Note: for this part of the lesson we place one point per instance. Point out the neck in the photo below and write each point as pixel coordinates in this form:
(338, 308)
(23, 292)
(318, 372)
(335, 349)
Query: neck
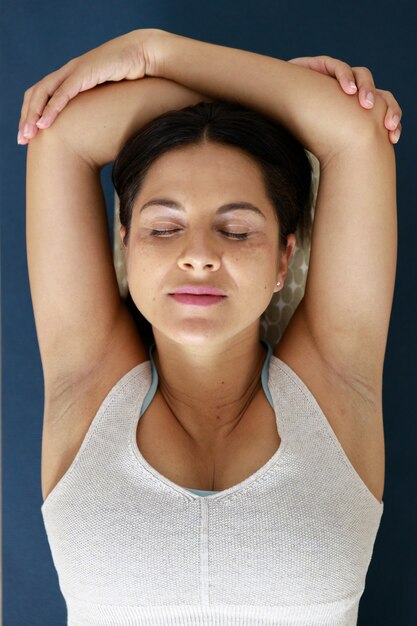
(216, 386)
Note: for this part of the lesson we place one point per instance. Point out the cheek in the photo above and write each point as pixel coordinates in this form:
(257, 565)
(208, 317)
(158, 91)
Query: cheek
(256, 268)
(142, 272)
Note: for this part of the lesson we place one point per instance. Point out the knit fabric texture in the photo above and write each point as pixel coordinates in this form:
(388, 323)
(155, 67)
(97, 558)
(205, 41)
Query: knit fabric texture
(288, 546)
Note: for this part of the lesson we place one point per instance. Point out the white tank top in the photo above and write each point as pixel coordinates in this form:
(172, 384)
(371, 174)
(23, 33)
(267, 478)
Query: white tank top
(289, 545)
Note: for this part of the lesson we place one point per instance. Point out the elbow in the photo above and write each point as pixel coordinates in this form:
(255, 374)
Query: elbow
(365, 129)
(371, 123)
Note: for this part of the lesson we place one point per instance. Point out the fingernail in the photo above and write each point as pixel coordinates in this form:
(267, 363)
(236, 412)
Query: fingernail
(26, 130)
(395, 120)
(397, 135)
(42, 121)
(19, 137)
(370, 98)
(352, 85)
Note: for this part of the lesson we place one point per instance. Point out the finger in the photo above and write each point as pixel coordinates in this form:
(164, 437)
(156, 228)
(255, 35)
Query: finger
(366, 86)
(394, 112)
(65, 92)
(35, 99)
(332, 67)
(394, 135)
(343, 74)
(318, 63)
(33, 110)
(25, 105)
(23, 113)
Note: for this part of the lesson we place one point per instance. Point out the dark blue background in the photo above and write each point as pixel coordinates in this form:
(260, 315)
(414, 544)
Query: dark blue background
(37, 38)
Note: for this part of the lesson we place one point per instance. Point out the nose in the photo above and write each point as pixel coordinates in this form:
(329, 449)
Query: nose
(200, 251)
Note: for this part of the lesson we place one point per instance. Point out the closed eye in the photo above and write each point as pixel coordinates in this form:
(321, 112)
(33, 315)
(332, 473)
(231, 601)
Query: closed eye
(235, 235)
(158, 233)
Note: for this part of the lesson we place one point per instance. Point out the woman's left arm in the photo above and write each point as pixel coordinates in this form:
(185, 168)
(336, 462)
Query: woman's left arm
(309, 103)
(350, 283)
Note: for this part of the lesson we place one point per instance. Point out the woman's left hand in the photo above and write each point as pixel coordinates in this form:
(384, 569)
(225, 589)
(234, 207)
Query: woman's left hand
(353, 78)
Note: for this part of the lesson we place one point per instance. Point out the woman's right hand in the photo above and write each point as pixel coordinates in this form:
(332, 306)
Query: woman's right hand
(127, 57)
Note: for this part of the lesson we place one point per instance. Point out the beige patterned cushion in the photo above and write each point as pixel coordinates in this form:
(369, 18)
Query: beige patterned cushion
(283, 303)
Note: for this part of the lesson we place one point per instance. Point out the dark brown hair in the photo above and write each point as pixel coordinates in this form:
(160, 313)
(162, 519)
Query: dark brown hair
(284, 164)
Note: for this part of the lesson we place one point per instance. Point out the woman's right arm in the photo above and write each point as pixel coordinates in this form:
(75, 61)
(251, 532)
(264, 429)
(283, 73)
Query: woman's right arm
(78, 312)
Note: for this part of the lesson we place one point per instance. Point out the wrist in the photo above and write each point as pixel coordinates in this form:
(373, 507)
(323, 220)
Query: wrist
(156, 47)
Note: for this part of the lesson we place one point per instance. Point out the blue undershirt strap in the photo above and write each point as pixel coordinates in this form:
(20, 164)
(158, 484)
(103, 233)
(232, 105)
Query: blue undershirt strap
(154, 384)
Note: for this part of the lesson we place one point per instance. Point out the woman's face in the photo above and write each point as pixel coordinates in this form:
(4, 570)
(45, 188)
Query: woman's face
(200, 250)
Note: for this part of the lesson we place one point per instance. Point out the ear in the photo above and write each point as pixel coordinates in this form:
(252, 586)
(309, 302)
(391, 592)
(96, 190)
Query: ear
(285, 261)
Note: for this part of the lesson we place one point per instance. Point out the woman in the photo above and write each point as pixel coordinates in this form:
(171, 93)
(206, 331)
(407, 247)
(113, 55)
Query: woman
(211, 480)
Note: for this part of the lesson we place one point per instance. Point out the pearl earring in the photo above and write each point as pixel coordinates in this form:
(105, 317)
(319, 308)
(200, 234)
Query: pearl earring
(278, 283)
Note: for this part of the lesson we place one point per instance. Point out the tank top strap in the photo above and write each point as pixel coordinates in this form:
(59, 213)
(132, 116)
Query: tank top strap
(265, 373)
(154, 384)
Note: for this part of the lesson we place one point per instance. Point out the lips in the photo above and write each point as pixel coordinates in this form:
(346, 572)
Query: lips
(199, 300)
(198, 290)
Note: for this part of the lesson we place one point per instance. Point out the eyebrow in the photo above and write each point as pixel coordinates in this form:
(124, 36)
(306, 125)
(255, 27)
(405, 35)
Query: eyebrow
(225, 208)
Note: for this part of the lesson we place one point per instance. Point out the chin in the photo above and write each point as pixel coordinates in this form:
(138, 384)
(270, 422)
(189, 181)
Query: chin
(194, 333)
(204, 333)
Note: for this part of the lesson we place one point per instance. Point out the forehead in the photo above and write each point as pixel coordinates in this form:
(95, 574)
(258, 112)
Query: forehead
(202, 168)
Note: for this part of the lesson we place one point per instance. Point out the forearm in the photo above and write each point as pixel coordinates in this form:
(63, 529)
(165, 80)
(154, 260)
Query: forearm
(97, 123)
(311, 105)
